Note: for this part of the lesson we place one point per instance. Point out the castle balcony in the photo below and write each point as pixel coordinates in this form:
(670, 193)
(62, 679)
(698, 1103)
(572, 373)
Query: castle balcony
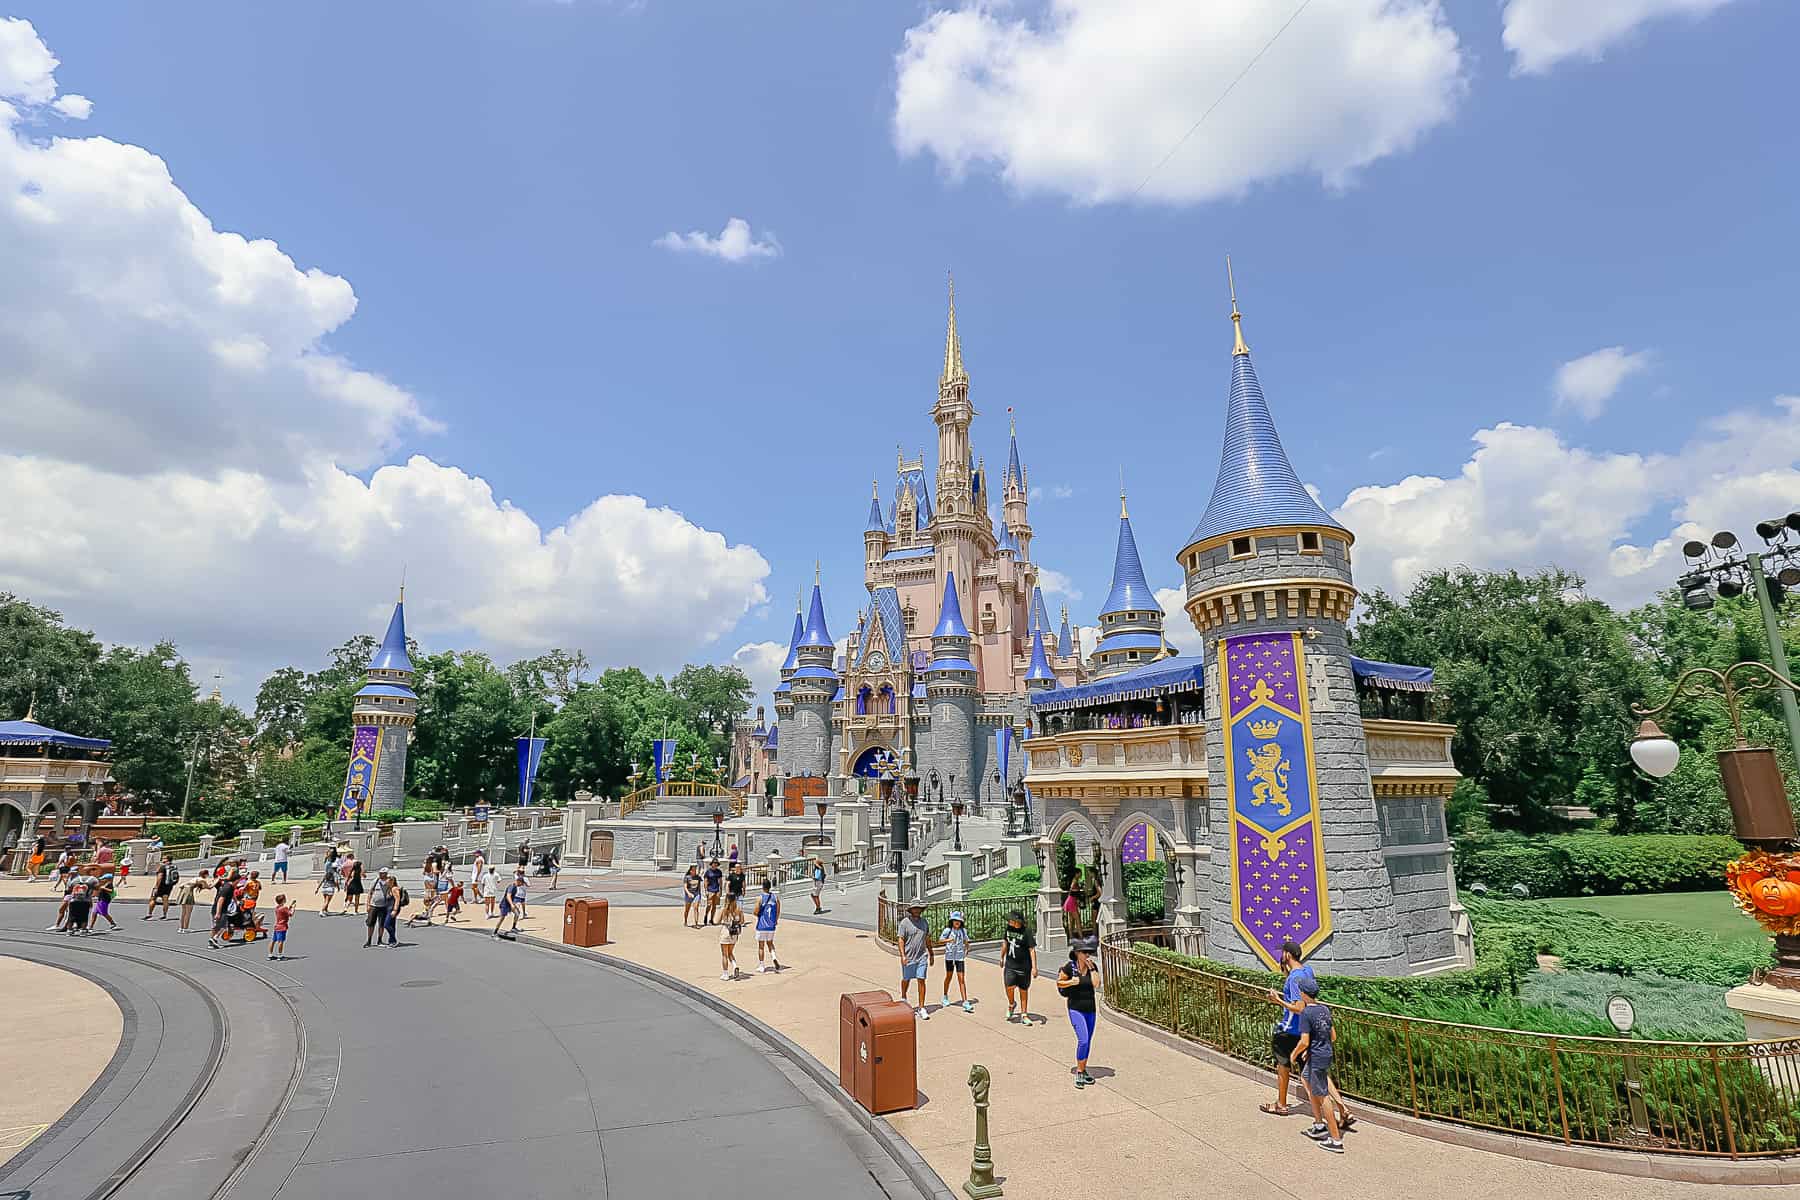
(873, 721)
(1167, 761)
(36, 770)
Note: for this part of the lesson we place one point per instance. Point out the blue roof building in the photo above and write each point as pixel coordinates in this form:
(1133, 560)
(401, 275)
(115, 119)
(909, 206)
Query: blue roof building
(1131, 621)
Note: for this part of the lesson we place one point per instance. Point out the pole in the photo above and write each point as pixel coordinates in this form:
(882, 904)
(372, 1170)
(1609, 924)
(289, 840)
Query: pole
(1777, 651)
(187, 792)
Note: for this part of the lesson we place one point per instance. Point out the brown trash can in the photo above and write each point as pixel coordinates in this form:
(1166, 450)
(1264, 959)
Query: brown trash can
(848, 1004)
(887, 1063)
(584, 922)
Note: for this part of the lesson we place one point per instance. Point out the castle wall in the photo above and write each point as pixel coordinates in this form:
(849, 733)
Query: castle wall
(806, 746)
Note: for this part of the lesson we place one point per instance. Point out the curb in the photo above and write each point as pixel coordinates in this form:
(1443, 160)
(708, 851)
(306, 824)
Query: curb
(897, 1147)
(1674, 1167)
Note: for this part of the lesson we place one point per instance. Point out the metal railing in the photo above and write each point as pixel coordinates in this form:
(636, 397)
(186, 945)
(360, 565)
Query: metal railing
(681, 789)
(985, 918)
(1721, 1099)
(937, 879)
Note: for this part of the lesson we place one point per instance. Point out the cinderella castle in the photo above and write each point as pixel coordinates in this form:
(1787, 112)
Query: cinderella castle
(934, 681)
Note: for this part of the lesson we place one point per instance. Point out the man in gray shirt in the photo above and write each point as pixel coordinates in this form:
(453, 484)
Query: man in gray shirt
(916, 954)
(381, 909)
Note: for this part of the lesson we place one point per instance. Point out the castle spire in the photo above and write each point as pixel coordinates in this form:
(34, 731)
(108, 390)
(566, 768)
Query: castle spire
(1039, 671)
(950, 620)
(953, 362)
(815, 633)
(1014, 471)
(877, 523)
(391, 654)
(1130, 590)
(1238, 349)
(1065, 642)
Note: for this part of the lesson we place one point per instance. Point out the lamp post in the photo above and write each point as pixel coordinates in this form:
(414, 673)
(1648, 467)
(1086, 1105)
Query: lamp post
(820, 805)
(934, 784)
(956, 809)
(356, 798)
(718, 831)
(997, 785)
(1722, 567)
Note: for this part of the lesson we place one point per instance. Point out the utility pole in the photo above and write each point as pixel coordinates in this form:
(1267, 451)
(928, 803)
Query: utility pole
(187, 793)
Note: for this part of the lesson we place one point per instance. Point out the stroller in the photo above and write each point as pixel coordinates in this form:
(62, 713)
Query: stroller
(548, 861)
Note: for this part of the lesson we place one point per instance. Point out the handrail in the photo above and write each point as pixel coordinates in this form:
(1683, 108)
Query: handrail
(682, 789)
(1717, 1099)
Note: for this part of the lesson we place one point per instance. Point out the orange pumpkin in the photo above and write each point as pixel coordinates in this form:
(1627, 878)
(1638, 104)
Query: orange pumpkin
(1776, 896)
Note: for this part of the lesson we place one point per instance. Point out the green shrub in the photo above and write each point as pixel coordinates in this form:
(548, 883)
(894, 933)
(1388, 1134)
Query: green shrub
(1021, 882)
(310, 827)
(1589, 941)
(1673, 1009)
(1595, 864)
(178, 833)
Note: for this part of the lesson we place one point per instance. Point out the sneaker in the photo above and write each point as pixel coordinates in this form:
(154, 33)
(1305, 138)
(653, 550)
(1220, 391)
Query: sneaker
(918, 1012)
(1084, 1077)
(946, 1001)
(1332, 1145)
(1317, 1133)
(1080, 1082)
(777, 966)
(725, 977)
(924, 1015)
(968, 1006)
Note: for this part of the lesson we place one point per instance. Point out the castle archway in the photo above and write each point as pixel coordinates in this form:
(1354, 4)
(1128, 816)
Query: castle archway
(865, 765)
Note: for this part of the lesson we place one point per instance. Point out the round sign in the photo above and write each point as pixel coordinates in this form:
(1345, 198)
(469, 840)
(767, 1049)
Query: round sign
(1621, 1014)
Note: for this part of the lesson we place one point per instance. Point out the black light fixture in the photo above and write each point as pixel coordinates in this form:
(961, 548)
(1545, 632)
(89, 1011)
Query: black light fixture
(1696, 594)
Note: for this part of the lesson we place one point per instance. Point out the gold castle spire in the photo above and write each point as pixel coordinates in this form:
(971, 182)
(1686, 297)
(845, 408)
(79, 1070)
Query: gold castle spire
(953, 362)
(1122, 513)
(1237, 318)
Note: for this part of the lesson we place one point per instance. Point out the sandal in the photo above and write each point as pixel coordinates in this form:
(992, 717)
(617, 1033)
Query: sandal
(1275, 1110)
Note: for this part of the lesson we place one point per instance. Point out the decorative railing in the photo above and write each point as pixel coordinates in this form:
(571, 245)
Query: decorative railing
(985, 918)
(1721, 1099)
(937, 879)
(979, 866)
(997, 861)
(680, 789)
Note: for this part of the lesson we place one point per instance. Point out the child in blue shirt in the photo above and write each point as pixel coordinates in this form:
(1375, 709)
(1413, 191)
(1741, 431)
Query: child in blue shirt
(955, 941)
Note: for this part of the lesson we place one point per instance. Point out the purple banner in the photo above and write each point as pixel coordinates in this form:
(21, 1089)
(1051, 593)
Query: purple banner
(359, 780)
(1278, 891)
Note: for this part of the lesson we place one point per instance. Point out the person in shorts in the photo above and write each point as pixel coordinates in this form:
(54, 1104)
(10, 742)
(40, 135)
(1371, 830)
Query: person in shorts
(1286, 1034)
(1314, 1051)
(103, 898)
(1018, 966)
(731, 923)
(955, 941)
(278, 937)
(714, 878)
(280, 870)
(768, 911)
(690, 896)
(916, 954)
(818, 884)
(80, 907)
(453, 901)
(189, 893)
(162, 887)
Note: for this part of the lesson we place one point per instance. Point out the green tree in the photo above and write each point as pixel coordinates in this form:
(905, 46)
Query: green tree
(281, 705)
(463, 745)
(43, 660)
(1538, 679)
(715, 697)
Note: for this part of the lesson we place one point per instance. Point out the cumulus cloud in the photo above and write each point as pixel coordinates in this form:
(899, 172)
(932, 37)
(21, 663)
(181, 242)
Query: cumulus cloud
(1542, 33)
(1526, 499)
(761, 661)
(180, 457)
(76, 108)
(734, 243)
(1055, 583)
(1084, 98)
(1585, 384)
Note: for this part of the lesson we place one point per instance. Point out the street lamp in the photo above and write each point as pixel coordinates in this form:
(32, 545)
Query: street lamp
(934, 785)
(956, 809)
(356, 799)
(820, 805)
(718, 831)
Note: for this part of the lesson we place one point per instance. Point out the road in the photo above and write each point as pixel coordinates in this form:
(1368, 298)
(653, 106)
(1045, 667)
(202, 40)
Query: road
(454, 1066)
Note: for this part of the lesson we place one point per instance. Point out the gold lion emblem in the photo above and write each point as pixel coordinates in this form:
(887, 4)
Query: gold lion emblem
(1269, 778)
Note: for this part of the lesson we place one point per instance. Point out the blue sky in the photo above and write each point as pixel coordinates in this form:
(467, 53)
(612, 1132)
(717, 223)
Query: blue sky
(492, 180)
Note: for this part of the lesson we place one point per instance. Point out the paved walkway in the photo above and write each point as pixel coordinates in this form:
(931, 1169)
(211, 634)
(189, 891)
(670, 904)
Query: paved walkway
(62, 1031)
(455, 1065)
(1159, 1123)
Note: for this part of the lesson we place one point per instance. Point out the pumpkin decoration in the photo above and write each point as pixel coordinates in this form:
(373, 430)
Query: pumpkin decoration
(1767, 887)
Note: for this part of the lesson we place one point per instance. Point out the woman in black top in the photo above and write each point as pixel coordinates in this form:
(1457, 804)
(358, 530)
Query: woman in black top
(1076, 982)
(690, 896)
(353, 886)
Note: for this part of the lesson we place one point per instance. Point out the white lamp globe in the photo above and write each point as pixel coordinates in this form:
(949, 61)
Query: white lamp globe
(1655, 753)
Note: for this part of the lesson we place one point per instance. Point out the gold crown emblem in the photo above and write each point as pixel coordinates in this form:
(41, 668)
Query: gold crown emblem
(1265, 729)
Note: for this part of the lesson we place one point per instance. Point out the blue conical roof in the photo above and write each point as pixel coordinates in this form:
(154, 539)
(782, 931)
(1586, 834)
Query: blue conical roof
(1256, 487)
(877, 523)
(1013, 469)
(391, 655)
(1040, 667)
(950, 622)
(815, 633)
(1130, 590)
(1006, 540)
(1040, 618)
(793, 655)
(1065, 643)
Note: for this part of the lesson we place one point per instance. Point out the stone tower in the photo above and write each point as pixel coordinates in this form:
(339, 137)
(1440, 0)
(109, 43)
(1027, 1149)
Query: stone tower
(950, 695)
(806, 742)
(381, 726)
(1296, 845)
(1131, 621)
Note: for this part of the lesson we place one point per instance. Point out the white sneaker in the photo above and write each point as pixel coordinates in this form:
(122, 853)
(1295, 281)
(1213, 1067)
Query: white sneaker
(726, 976)
(946, 1003)
(762, 968)
(923, 1015)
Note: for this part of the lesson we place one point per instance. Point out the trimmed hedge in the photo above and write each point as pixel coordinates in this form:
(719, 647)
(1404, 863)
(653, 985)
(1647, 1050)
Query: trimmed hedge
(1021, 882)
(1596, 864)
(178, 833)
(1589, 941)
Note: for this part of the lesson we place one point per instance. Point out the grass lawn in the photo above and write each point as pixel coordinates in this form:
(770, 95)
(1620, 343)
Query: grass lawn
(1710, 912)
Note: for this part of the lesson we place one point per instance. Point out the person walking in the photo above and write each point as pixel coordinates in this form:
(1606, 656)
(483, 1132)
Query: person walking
(280, 870)
(381, 910)
(491, 888)
(955, 941)
(35, 863)
(189, 893)
(431, 891)
(768, 911)
(1071, 916)
(162, 887)
(353, 884)
(224, 904)
(1314, 1051)
(453, 902)
(512, 904)
(278, 937)
(916, 954)
(734, 884)
(713, 879)
(103, 897)
(328, 884)
(690, 896)
(80, 907)
(731, 924)
(818, 884)
(1076, 982)
(1018, 966)
(1286, 1034)
(477, 872)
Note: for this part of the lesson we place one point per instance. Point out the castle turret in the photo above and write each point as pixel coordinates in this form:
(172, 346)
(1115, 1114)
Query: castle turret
(784, 698)
(382, 717)
(1039, 676)
(1065, 640)
(1131, 621)
(813, 687)
(1296, 842)
(875, 534)
(950, 697)
(1014, 494)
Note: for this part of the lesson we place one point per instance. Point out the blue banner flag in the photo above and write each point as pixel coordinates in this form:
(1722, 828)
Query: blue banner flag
(531, 752)
(662, 750)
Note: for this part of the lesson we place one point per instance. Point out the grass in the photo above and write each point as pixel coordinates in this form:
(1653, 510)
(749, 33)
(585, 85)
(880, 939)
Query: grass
(1666, 1008)
(1708, 912)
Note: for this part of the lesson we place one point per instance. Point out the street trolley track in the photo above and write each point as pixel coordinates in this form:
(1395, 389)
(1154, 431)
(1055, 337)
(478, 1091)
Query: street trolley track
(217, 1051)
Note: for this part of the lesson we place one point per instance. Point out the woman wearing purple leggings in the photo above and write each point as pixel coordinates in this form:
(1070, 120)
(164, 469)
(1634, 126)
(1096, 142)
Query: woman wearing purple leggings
(1076, 982)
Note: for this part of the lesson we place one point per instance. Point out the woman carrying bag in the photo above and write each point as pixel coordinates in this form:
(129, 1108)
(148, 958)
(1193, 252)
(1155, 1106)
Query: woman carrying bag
(1076, 982)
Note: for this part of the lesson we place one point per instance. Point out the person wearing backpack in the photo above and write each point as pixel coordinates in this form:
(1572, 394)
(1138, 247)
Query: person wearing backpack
(768, 911)
(166, 879)
(818, 883)
(381, 910)
(955, 942)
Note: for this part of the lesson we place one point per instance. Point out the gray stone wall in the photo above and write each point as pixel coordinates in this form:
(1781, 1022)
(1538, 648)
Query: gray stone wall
(952, 734)
(806, 739)
(390, 772)
(1275, 558)
(1422, 905)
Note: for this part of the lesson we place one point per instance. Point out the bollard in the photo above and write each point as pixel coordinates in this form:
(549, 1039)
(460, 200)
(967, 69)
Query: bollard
(981, 1183)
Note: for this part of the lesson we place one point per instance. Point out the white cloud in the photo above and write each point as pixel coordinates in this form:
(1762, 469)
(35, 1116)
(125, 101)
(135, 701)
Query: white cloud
(1055, 583)
(1085, 97)
(1173, 601)
(761, 661)
(1527, 499)
(76, 108)
(177, 451)
(27, 68)
(1585, 384)
(1062, 491)
(1542, 33)
(735, 243)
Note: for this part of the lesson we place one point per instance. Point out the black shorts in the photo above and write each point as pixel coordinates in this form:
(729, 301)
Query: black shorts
(1018, 979)
(953, 966)
(1283, 1046)
(163, 889)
